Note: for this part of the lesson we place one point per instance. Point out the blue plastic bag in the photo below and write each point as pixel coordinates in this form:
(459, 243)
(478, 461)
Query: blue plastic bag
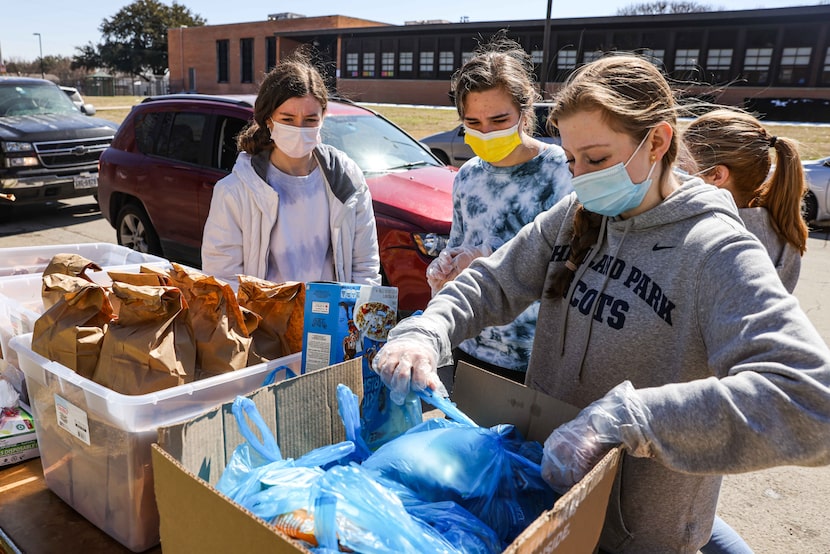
(475, 467)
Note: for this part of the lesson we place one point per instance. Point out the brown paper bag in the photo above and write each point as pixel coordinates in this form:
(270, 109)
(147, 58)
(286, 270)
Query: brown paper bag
(66, 264)
(138, 279)
(71, 331)
(150, 346)
(219, 327)
(280, 332)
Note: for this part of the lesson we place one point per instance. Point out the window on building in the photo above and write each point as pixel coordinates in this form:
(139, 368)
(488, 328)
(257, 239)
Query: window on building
(795, 65)
(246, 60)
(686, 58)
(566, 58)
(537, 56)
(270, 53)
(427, 62)
(222, 53)
(368, 64)
(655, 56)
(756, 65)
(825, 72)
(719, 58)
(718, 62)
(352, 64)
(387, 64)
(588, 57)
(405, 61)
(446, 61)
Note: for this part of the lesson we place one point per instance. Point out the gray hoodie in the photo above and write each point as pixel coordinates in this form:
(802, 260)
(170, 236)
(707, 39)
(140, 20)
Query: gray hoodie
(683, 301)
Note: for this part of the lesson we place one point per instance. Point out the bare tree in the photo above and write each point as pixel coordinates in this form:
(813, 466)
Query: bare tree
(663, 7)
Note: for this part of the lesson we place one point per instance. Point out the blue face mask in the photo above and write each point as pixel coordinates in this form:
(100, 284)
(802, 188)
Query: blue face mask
(610, 191)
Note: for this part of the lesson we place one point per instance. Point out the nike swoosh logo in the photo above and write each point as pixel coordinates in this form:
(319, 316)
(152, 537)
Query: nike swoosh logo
(657, 247)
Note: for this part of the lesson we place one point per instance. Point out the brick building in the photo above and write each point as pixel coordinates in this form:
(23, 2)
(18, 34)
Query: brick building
(734, 55)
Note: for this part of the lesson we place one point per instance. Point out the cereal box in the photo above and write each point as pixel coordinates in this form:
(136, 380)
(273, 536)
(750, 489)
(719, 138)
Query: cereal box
(343, 321)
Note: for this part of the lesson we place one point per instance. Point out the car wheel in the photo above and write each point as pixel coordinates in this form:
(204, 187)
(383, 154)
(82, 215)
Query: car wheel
(134, 230)
(441, 155)
(809, 208)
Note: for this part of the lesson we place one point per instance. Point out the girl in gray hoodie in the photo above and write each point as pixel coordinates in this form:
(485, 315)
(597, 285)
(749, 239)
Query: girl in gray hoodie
(661, 316)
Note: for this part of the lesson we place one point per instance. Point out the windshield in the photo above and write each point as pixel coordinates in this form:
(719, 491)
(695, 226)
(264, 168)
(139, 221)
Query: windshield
(374, 144)
(33, 99)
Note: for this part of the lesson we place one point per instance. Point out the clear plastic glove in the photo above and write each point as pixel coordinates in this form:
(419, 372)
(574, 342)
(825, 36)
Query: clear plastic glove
(408, 364)
(438, 271)
(451, 262)
(619, 417)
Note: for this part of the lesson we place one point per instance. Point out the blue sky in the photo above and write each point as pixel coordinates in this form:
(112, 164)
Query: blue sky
(64, 26)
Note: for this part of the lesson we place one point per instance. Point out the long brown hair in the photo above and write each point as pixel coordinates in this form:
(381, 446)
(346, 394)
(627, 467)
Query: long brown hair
(500, 63)
(737, 140)
(633, 97)
(293, 77)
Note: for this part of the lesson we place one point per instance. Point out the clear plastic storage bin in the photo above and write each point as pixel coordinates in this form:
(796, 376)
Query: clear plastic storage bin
(21, 303)
(26, 260)
(95, 443)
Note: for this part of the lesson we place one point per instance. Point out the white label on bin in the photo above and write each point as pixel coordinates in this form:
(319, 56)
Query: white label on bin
(72, 419)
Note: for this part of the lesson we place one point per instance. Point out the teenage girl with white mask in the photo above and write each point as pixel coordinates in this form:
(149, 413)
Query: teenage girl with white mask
(661, 317)
(292, 209)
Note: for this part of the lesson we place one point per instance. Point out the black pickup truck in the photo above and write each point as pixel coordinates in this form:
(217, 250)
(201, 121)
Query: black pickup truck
(49, 150)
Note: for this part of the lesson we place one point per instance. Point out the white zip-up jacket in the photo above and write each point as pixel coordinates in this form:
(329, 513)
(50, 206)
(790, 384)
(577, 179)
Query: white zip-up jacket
(243, 211)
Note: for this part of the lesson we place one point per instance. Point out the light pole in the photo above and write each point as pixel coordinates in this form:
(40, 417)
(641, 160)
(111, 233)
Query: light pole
(545, 55)
(40, 44)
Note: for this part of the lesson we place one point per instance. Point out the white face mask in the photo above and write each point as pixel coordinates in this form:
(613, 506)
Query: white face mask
(295, 142)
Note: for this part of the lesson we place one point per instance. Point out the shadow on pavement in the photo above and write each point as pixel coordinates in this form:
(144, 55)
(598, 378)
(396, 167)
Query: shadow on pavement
(33, 217)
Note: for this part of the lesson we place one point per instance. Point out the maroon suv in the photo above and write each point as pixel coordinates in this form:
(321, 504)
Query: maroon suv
(156, 181)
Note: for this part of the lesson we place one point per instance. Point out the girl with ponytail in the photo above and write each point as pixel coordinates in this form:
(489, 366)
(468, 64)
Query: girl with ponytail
(730, 149)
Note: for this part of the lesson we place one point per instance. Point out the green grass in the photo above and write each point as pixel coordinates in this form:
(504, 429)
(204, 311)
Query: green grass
(814, 140)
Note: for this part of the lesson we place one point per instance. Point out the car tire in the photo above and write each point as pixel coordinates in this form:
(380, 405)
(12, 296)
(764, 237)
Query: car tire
(134, 230)
(809, 208)
(441, 155)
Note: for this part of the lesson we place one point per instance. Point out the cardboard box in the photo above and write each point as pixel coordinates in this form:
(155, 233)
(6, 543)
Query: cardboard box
(18, 440)
(95, 443)
(343, 321)
(190, 457)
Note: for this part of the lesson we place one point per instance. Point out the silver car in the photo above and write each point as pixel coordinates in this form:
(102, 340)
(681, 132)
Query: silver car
(450, 148)
(816, 207)
(78, 100)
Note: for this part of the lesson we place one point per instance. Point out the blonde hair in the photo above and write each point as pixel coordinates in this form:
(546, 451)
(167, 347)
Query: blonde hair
(737, 140)
(294, 77)
(633, 97)
(501, 63)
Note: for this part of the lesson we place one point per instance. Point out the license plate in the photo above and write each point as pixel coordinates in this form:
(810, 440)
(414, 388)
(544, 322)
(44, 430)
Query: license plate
(86, 182)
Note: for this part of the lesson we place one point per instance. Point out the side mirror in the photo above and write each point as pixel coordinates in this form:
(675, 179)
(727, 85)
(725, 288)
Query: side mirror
(88, 109)
(826, 163)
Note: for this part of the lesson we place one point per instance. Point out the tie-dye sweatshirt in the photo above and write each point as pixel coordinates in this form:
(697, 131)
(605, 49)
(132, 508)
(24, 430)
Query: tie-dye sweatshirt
(490, 205)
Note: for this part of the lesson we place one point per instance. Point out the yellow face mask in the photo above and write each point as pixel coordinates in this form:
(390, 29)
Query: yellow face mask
(494, 146)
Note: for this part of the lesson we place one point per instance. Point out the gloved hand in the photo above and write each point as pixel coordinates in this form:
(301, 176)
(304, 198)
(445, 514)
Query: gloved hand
(452, 261)
(408, 364)
(619, 417)
(439, 270)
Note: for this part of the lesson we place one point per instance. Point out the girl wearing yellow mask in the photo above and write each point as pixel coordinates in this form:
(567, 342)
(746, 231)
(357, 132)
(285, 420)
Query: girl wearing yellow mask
(512, 178)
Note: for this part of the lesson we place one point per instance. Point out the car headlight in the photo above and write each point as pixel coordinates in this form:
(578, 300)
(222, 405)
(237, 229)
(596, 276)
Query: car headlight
(25, 161)
(17, 147)
(430, 244)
